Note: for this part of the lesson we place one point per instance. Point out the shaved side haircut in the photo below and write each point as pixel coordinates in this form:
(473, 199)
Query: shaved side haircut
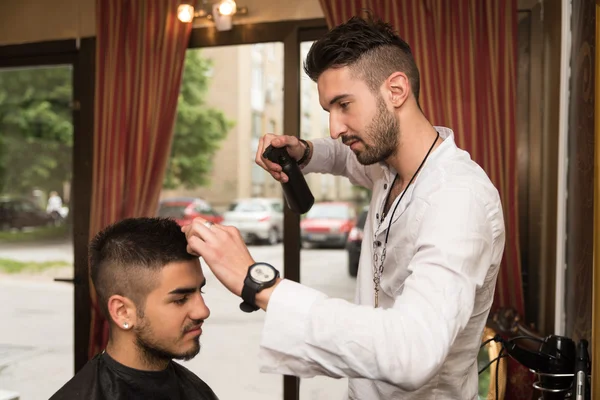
(369, 47)
(126, 257)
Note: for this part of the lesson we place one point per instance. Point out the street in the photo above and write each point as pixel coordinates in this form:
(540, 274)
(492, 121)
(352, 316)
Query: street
(36, 333)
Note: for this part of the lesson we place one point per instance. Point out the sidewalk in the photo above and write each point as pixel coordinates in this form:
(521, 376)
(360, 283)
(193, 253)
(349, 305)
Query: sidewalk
(38, 251)
(36, 333)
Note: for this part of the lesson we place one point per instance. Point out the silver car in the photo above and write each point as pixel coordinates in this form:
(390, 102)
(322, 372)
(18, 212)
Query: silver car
(258, 219)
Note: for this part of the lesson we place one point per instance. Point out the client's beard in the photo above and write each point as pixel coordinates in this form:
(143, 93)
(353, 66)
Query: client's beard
(155, 354)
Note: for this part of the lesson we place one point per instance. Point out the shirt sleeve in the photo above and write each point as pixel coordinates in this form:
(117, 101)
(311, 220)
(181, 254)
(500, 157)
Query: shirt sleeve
(307, 334)
(333, 157)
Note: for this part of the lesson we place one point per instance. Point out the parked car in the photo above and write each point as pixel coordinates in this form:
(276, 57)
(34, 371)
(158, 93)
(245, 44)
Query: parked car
(258, 219)
(184, 209)
(354, 242)
(19, 213)
(328, 224)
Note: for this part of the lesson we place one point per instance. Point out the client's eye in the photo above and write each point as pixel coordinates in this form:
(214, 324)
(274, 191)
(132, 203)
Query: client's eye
(180, 301)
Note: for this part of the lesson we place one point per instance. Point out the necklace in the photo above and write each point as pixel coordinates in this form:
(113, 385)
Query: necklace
(378, 268)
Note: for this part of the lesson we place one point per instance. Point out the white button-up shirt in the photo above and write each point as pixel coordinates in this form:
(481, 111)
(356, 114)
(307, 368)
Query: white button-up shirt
(443, 254)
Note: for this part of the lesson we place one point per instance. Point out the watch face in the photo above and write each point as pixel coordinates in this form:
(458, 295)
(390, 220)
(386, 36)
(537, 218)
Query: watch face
(262, 273)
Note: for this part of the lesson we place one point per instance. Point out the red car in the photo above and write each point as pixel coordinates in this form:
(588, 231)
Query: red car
(185, 209)
(328, 224)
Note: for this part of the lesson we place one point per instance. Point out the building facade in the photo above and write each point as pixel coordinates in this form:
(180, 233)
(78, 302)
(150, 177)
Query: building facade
(247, 86)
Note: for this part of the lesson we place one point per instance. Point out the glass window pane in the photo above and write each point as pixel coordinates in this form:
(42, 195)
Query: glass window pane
(36, 245)
(324, 230)
(212, 162)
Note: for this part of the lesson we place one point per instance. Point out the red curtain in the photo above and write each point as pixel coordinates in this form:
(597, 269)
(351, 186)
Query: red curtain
(466, 52)
(140, 51)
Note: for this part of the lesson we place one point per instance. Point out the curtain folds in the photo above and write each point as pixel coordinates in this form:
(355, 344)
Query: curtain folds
(140, 50)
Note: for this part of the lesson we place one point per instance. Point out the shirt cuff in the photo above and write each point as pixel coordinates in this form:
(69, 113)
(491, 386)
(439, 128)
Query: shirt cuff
(318, 157)
(286, 322)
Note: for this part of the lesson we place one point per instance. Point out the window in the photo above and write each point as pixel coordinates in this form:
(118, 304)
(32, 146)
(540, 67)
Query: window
(36, 241)
(234, 98)
(257, 129)
(333, 280)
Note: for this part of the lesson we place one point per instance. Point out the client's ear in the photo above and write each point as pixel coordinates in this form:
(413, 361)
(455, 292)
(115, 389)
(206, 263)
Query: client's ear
(122, 311)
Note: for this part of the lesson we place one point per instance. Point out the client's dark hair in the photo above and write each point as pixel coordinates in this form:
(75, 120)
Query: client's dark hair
(125, 256)
(369, 47)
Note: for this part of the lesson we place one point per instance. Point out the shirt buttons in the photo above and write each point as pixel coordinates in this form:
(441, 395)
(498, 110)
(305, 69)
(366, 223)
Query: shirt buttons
(385, 186)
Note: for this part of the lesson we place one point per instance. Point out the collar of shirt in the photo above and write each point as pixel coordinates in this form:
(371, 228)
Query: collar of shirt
(447, 147)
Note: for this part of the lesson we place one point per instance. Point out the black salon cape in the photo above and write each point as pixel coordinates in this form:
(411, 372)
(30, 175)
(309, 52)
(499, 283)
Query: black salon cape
(103, 378)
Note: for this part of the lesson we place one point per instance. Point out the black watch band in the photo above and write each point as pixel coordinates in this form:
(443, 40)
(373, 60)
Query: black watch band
(304, 157)
(249, 292)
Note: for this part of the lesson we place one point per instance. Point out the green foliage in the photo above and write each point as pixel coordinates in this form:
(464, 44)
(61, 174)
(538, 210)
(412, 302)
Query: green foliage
(46, 234)
(485, 377)
(36, 130)
(36, 133)
(15, 267)
(198, 129)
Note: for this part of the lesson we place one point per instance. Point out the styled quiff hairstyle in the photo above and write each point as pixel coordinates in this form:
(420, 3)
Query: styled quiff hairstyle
(369, 47)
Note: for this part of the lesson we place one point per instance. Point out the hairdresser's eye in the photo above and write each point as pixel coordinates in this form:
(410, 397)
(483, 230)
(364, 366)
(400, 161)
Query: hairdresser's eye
(180, 301)
(345, 105)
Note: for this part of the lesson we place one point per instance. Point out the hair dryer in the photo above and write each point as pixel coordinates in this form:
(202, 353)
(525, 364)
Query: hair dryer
(554, 363)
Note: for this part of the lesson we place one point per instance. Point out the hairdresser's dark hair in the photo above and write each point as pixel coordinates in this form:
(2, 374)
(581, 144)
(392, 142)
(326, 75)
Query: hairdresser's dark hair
(369, 47)
(125, 257)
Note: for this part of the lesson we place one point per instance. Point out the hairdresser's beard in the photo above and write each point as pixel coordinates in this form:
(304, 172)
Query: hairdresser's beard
(382, 132)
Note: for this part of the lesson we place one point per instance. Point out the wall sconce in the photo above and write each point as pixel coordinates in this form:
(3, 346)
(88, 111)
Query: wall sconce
(220, 12)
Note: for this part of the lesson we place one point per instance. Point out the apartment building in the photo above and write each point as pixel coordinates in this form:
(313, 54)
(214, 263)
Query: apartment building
(247, 85)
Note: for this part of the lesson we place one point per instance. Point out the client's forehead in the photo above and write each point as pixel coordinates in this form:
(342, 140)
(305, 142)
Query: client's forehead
(179, 274)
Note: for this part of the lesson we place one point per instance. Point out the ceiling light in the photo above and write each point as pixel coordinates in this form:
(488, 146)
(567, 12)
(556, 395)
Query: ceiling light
(185, 13)
(220, 12)
(227, 7)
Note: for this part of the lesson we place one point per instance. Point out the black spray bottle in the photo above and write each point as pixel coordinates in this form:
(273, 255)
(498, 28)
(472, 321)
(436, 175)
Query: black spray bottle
(297, 193)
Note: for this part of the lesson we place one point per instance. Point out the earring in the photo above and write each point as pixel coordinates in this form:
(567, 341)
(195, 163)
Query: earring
(126, 325)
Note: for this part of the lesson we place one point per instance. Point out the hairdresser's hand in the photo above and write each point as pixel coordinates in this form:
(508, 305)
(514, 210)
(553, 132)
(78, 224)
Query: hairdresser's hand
(295, 148)
(223, 250)
(226, 254)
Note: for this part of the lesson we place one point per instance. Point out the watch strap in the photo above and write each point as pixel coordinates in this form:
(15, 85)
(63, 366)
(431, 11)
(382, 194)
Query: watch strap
(304, 157)
(249, 292)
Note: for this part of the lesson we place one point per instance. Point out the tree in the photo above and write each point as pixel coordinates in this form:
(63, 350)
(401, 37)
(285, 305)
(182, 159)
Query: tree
(36, 129)
(198, 130)
(36, 132)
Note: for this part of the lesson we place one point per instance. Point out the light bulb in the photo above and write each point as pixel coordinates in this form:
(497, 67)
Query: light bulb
(227, 7)
(185, 13)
